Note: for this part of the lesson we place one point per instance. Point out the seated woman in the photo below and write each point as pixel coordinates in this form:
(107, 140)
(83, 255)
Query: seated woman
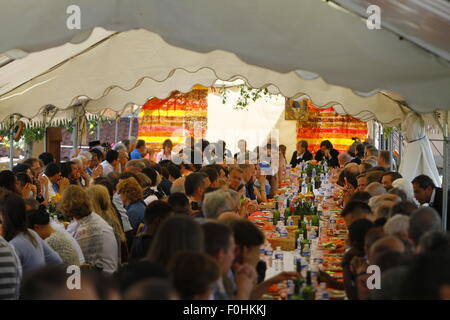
(33, 252)
(131, 195)
(39, 221)
(94, 235)
(328, 153)
(102, 205)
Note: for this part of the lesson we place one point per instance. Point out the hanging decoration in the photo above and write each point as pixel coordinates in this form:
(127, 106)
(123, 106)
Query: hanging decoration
(326, 124)
(174, 118)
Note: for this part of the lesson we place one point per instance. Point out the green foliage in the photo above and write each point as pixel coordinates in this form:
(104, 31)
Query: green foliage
(246, 96)
(32, 134)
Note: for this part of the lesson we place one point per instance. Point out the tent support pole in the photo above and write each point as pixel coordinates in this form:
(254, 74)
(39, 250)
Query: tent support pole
(391, 162)
(99, 124)
(76, 127)
(130, 127)
(116, 130)
(445, 173)
(11, 144)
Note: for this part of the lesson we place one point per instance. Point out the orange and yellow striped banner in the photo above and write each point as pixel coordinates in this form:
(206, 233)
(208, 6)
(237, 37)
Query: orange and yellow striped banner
(326, 124)
(174, 117)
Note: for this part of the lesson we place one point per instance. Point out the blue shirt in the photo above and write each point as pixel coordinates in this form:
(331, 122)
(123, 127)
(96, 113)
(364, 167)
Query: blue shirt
(32, 257)
(135, 154)
(267, 186)
(135, 213)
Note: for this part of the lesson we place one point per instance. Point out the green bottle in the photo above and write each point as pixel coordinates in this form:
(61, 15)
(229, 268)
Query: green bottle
(298, 231)
(276, 214)
(287, 213)
(308, 292)
(298, 283)
(315, 220)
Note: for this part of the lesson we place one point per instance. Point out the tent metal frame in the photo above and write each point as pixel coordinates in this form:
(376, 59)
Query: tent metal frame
(445, 176)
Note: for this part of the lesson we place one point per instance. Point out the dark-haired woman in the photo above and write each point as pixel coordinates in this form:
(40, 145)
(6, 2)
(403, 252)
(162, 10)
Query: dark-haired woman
(328, 153)
(39, 221)
(33, 252)
(8, 181)
(166, 153)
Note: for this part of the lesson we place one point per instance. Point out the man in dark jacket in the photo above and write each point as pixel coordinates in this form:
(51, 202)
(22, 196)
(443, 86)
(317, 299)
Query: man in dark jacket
(426, 192)
(301, 154)
(328, 153)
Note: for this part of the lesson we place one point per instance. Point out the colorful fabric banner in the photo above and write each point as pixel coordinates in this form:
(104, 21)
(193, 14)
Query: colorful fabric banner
(326, 124)
(174, 118)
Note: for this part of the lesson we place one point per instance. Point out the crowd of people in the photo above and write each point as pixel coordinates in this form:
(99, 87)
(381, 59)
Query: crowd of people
(173, 225)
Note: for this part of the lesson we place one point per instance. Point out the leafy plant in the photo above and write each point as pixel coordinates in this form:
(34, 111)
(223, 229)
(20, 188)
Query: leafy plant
(246, 96)
(33, 134)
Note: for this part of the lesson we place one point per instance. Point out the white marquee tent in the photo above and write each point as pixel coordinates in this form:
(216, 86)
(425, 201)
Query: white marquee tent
(360, 71)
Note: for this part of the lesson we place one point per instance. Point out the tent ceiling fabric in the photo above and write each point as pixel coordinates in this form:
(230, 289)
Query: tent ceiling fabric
(20, 71)
(425, 22)
(280, 35)
(135, 65)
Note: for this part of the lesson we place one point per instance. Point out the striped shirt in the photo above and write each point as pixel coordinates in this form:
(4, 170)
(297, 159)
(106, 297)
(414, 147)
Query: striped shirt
(10, 271)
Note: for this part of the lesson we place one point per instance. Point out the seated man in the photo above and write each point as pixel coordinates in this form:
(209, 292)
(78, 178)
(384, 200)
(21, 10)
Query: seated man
(427, 193)
(355, 210)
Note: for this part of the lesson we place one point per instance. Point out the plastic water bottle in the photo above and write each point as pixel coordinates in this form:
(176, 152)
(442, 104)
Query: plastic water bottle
(290, 288)
(269, 254)
(270, 217)
(333, 223)
(279, 259)
(314, 272)
(262, 252)
(290, 222)
(322, 293)
(306, 250)
(304, 187)
(311, 234)
(299, 242)
(283, 232)
(313, 173)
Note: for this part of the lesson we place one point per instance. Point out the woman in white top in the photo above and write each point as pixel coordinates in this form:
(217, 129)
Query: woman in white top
(166, 153)
(94, 235)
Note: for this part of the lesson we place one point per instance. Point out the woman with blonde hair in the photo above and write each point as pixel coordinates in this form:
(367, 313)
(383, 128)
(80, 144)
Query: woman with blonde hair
(132, 195)
(94, 235)
(101, 205)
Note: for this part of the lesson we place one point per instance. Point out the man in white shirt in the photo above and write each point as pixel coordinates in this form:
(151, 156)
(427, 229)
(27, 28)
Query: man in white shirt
(111, 163)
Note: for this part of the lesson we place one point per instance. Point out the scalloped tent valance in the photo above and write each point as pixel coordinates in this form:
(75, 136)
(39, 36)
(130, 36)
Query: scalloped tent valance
(281, 35)
(131, 67)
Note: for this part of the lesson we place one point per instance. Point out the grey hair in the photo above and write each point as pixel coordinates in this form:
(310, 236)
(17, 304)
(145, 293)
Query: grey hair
(372, 161)
(217, 202)
(120, 147)
(423, 220)
(135, 163)
(345, 156)
(398, 224)
(376, 189)
(86, 154)
(78, 160)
